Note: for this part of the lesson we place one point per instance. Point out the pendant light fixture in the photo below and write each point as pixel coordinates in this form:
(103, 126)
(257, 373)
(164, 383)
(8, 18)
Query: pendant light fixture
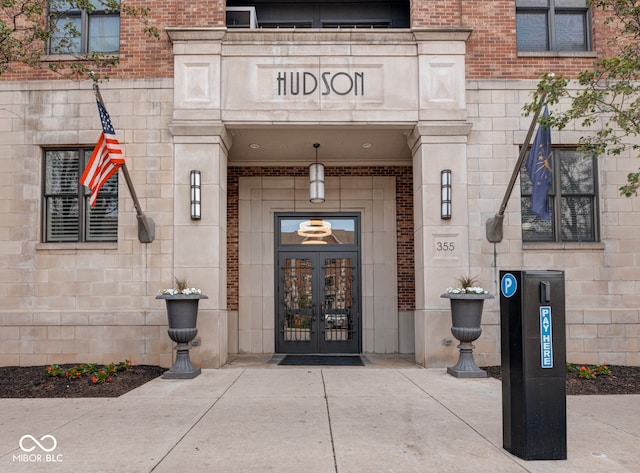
(314, 231)
(316, 180)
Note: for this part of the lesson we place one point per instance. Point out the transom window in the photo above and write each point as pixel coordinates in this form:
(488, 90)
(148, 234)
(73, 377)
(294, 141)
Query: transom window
(572, 200)
(317, 230)
(78, 31)
(68, 217)
(553, 25)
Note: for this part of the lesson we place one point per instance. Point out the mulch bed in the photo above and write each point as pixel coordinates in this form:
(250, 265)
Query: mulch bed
(34, 382)
(622, 380)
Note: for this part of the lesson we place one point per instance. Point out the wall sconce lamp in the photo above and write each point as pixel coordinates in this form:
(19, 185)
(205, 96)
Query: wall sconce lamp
(445, 197)
(316, 180)
(195, 195)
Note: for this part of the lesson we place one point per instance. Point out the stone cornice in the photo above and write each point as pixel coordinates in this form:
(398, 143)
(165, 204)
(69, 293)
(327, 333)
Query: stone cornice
(195, 34)
(442, 34)
(184, 131)
(438, 131)
(320, 36)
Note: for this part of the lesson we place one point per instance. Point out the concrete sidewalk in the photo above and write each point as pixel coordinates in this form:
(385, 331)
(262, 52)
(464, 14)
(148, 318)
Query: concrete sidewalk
(389, 416)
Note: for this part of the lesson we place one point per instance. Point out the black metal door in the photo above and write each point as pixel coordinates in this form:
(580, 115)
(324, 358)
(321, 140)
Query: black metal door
(318, 309)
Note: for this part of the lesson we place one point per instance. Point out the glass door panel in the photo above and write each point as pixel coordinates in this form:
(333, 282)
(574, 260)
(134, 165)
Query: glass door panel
(338, 299)
(318, 309)
(298, 299)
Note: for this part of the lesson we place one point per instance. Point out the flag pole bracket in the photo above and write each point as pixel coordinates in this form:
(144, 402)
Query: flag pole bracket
(146, 228)
(494, 228)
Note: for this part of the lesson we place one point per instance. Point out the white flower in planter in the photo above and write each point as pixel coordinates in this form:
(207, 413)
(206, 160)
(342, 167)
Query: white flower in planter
(181, 288)
(467, 285)
(467, 290)
(186, 291)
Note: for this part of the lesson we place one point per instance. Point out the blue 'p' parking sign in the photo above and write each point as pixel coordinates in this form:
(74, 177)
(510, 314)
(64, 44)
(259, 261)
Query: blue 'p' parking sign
(508, 285)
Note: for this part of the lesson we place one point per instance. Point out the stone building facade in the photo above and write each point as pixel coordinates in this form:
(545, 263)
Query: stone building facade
(391, 108)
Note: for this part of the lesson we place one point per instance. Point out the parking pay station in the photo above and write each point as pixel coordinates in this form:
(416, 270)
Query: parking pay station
(534, 401)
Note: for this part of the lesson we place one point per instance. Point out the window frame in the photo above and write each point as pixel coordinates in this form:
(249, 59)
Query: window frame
(345, 14)
(82, 195)
(84, 39)
(349, 218)
(550, 11)
(556, 199)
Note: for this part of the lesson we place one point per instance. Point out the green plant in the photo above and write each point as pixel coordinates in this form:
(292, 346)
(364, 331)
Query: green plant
(101, 376)
(98, 375)
(54, 370)
(181, 284)
(603, 370)
(588, 371)
(466, 281)
(605, 94)
(124, 365)
(75, 372)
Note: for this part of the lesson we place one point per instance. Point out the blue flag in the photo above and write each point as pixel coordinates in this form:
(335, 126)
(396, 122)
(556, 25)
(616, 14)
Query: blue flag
(540, 168)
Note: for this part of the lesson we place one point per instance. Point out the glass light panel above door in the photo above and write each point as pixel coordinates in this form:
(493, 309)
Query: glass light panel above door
(317, 231)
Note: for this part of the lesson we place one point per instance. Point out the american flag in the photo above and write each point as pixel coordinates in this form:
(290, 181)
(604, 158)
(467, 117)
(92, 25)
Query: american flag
(106, 158)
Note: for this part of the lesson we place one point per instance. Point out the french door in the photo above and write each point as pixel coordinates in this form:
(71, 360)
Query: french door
(318, 302)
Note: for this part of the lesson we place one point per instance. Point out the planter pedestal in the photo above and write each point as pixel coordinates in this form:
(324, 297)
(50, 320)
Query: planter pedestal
(466, 315)
(182, 312)
(182, 367)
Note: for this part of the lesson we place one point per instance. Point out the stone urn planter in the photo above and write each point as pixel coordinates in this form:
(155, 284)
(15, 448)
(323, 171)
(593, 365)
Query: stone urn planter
(182, 312)
(466, 315)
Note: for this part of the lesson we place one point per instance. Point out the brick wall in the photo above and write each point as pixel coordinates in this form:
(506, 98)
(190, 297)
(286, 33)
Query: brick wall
(141, 56)
(404, 213)
(434, 13)
(491, 48)
(206, 13)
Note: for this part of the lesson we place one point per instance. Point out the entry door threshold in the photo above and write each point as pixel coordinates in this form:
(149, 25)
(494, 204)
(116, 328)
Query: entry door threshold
(319, 360)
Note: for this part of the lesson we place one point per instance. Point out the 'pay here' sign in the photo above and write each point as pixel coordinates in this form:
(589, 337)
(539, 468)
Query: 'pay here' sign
(546, 339)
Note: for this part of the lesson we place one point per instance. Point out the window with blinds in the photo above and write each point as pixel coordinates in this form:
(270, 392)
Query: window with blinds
(68, 217)
(78, 30)
(552, 25)
(572, 198)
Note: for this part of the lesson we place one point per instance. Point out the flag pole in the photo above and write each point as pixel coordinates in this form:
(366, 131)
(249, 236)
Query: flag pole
(146, 225)
(494, 224)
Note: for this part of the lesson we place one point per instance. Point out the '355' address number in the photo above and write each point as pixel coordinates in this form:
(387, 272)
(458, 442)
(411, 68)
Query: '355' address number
(444, 246)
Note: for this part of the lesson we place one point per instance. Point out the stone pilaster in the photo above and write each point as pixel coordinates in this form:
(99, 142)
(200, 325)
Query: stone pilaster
(201, 143)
